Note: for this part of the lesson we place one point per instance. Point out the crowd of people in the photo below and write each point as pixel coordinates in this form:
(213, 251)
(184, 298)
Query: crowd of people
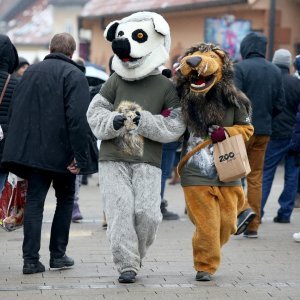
(50, 107)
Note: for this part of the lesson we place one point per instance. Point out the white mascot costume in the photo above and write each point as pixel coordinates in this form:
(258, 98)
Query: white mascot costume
(126, 115)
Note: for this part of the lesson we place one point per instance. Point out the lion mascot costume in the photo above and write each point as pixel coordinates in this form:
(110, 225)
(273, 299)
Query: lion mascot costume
(130, 177)
(211, 106)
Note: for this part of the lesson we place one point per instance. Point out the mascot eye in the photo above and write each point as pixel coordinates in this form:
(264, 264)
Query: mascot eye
(121, 33)
(139, 36)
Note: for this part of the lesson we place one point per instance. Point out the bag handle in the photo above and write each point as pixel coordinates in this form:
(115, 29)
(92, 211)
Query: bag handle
(4, 88)
(184, 160)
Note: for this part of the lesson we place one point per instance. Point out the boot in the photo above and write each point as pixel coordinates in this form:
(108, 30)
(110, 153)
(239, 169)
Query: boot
(76, 214)
(167, 215)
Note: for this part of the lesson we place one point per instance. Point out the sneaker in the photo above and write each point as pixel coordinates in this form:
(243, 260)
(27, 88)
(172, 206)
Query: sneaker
(203, 276)
(244, 219)
(250, 234)
(296, 236)
(62, 262)
(76, 214)
(297, 201)
(127, 277)
(31, 268)
(167, 215)
(280, 220)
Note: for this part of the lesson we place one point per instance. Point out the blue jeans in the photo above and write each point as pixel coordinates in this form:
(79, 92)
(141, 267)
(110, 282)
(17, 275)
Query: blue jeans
(276, 151)
(167, 163)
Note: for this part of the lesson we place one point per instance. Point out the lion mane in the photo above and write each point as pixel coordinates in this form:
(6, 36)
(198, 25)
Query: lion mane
(206, 87)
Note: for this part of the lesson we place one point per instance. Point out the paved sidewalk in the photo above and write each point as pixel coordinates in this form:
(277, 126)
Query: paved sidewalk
(263, 268)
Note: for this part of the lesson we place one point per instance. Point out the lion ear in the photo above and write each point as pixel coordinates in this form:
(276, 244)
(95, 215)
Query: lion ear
(220, 52)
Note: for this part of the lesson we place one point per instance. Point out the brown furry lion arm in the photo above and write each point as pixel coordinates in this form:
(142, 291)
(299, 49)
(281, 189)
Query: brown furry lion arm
(100, 117)
(161, 129)
(245, 130)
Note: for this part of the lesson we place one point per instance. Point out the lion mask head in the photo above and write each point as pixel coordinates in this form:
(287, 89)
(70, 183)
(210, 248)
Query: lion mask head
(202, 66)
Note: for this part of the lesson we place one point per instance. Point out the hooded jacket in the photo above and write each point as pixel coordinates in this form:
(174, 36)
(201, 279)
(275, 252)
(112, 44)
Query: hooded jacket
(283, 124)
(8, 63)
(261, 81)
(48, 126)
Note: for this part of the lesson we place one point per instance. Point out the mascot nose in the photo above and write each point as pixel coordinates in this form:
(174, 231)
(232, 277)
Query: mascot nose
(121, 47)
(194, 61)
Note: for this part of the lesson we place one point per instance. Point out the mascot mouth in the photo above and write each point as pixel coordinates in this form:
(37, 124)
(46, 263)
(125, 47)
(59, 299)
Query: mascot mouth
(129, 59)
(201, 83)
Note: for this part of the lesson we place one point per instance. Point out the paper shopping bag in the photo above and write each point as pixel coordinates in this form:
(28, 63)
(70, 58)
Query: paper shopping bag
(230, 158)
(12, 203)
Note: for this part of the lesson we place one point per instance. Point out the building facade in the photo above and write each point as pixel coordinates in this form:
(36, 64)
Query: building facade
(225, 22)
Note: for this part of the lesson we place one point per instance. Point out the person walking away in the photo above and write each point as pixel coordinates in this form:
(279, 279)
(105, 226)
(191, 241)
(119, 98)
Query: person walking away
(279, 146)
(261, 81)
(295, 146)
(48, 143)
(8, 63)
(21, 68)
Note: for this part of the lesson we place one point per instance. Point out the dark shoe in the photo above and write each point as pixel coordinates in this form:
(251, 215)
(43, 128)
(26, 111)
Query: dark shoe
(280, 220)
(127, 277)
(104, 225)
(76, 214)
(31, 268)
(244, 219)
(250, 234)
(167, 215)
(203, 276)
(61, 262)
(297, 201)
(84, 180)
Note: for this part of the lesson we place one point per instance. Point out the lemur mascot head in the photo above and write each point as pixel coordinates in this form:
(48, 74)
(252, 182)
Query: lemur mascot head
(141, 43)
(206, 88)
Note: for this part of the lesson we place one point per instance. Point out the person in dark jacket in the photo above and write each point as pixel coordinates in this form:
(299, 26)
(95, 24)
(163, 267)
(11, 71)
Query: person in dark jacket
(295, 146)
(48, 142)
(8, 64)
(22, 67)
(280, 145)
(261, 81)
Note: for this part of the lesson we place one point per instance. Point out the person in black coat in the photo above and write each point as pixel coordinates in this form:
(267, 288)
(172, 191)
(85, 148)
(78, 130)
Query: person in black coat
(283, 144)
(48, 142)
(8, 64)
(261, 81)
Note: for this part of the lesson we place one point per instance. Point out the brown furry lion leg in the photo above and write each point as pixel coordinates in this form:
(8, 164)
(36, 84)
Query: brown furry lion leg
(203, 210)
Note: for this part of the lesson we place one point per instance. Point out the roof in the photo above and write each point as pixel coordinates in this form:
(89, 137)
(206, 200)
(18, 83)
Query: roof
(33, 25)
(30, 22)
(103, 8)
(68, 2)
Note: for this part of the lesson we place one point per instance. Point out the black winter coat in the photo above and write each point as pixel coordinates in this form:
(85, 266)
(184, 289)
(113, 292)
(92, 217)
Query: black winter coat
(261, 81)
(48, 126)
(283, 124)
(8, 63)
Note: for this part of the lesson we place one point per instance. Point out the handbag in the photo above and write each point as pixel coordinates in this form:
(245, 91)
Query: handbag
(12, 203)
(1, 98)
(230, 158)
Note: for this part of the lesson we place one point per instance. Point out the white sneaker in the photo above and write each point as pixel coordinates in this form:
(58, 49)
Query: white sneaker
(296, 236)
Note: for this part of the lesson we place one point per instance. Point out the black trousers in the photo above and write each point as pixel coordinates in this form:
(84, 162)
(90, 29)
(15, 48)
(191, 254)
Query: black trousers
(38, 185)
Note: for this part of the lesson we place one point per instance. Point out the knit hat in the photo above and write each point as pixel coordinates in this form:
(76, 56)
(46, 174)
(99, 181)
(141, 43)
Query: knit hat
(22, 62)
(282, 57)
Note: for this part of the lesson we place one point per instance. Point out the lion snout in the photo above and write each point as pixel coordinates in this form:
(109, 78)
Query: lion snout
(194, 61)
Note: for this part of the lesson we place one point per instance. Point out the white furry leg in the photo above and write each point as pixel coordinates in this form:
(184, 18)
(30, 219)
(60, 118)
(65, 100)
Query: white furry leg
(117, 193)
(146, 183)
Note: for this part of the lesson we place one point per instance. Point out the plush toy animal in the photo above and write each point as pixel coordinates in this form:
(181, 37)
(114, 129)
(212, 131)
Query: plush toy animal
(129, 141)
